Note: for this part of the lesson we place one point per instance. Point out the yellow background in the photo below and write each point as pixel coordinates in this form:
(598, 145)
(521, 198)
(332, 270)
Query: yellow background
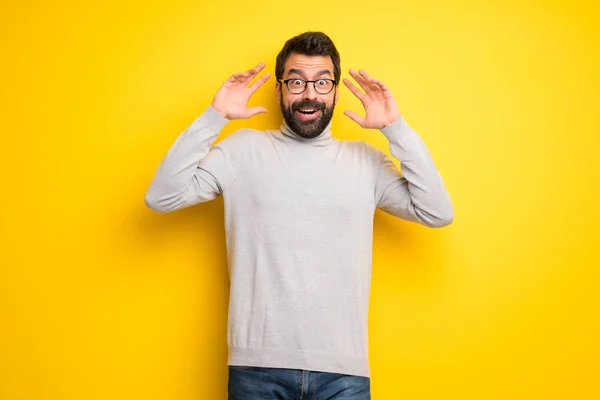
(102, 298)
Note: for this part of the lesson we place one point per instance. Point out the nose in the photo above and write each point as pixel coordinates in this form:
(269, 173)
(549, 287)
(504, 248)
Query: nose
(310, 93)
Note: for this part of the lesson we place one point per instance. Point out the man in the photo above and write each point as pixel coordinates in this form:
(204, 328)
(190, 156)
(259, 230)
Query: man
(299, 207)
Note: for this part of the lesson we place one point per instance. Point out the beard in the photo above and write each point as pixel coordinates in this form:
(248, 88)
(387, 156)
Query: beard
(312, 128)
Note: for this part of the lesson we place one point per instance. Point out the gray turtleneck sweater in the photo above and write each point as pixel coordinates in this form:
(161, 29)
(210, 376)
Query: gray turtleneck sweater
(299, 230)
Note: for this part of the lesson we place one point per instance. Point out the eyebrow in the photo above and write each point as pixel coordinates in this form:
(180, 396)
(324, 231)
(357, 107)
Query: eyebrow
(301, 73)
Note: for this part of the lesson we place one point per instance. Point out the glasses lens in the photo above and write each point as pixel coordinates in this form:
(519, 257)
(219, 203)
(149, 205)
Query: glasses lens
(324, 86)
(296, 86)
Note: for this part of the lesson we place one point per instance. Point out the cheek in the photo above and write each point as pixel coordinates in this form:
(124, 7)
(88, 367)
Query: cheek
(332, 101)
(289, 100)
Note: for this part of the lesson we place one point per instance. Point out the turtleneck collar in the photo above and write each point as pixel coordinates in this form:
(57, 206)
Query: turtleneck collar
(324, 139)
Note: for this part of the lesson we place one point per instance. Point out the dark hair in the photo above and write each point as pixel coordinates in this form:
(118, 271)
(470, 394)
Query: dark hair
(309, 44)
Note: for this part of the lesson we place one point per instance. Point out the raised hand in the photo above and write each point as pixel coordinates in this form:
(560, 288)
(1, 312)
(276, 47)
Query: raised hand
(380, 107)
(231, 101)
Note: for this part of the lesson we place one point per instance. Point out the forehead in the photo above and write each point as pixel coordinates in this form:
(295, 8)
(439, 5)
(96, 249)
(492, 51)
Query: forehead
(308, 64)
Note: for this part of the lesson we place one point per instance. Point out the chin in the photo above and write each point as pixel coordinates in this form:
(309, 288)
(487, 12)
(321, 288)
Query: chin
(310, 133)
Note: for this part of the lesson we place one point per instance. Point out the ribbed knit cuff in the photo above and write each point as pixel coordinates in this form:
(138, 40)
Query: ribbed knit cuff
(213, 119)
(396, 130)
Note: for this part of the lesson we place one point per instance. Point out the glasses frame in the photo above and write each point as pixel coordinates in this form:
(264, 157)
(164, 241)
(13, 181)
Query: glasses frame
(306, 82)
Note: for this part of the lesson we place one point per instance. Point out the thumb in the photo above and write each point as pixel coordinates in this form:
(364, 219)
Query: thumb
(355, 117)
(256, 110)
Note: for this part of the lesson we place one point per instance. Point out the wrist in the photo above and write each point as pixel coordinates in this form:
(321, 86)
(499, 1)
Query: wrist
(397, 130)
(391, 120)
(218, 109)
(215, 117)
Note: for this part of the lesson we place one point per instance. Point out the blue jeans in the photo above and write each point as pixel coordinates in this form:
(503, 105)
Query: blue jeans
(254, 383)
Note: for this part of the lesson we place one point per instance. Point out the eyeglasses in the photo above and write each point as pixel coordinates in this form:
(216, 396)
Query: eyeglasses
(297, 85)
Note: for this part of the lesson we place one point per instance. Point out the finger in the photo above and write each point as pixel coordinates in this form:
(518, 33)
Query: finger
(355, 117)
(258, 68)
(259, 82)
(381, 85)
(251, 73)
(354, 89)
(238, 78)
(256, 110)
(360, 80)
(247, 76)
(367, 79)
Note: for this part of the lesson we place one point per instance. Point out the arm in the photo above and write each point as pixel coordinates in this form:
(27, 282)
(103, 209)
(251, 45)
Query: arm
(420, 195)
(192, 171)
(180, 180)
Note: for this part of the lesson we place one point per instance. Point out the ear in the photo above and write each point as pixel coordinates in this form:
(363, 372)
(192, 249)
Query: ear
(335, 98)
(278, 92)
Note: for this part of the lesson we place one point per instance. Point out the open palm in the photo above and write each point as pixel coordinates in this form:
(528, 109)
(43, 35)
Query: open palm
(231, 100)
(379, 103)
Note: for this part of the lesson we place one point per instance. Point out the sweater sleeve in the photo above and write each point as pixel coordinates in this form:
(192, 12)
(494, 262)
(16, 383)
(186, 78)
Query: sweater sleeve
(419, 194)
(183, 178)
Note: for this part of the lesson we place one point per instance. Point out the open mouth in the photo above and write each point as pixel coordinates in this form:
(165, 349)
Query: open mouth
(306, 114)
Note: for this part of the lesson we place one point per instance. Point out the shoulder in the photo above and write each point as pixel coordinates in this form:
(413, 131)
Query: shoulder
(243, 139)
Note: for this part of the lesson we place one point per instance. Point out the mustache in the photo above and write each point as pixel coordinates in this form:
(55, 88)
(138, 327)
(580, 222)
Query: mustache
(308, 104)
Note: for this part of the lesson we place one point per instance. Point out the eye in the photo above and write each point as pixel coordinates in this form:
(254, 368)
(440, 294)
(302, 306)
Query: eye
(322, 82)
(297, 82)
